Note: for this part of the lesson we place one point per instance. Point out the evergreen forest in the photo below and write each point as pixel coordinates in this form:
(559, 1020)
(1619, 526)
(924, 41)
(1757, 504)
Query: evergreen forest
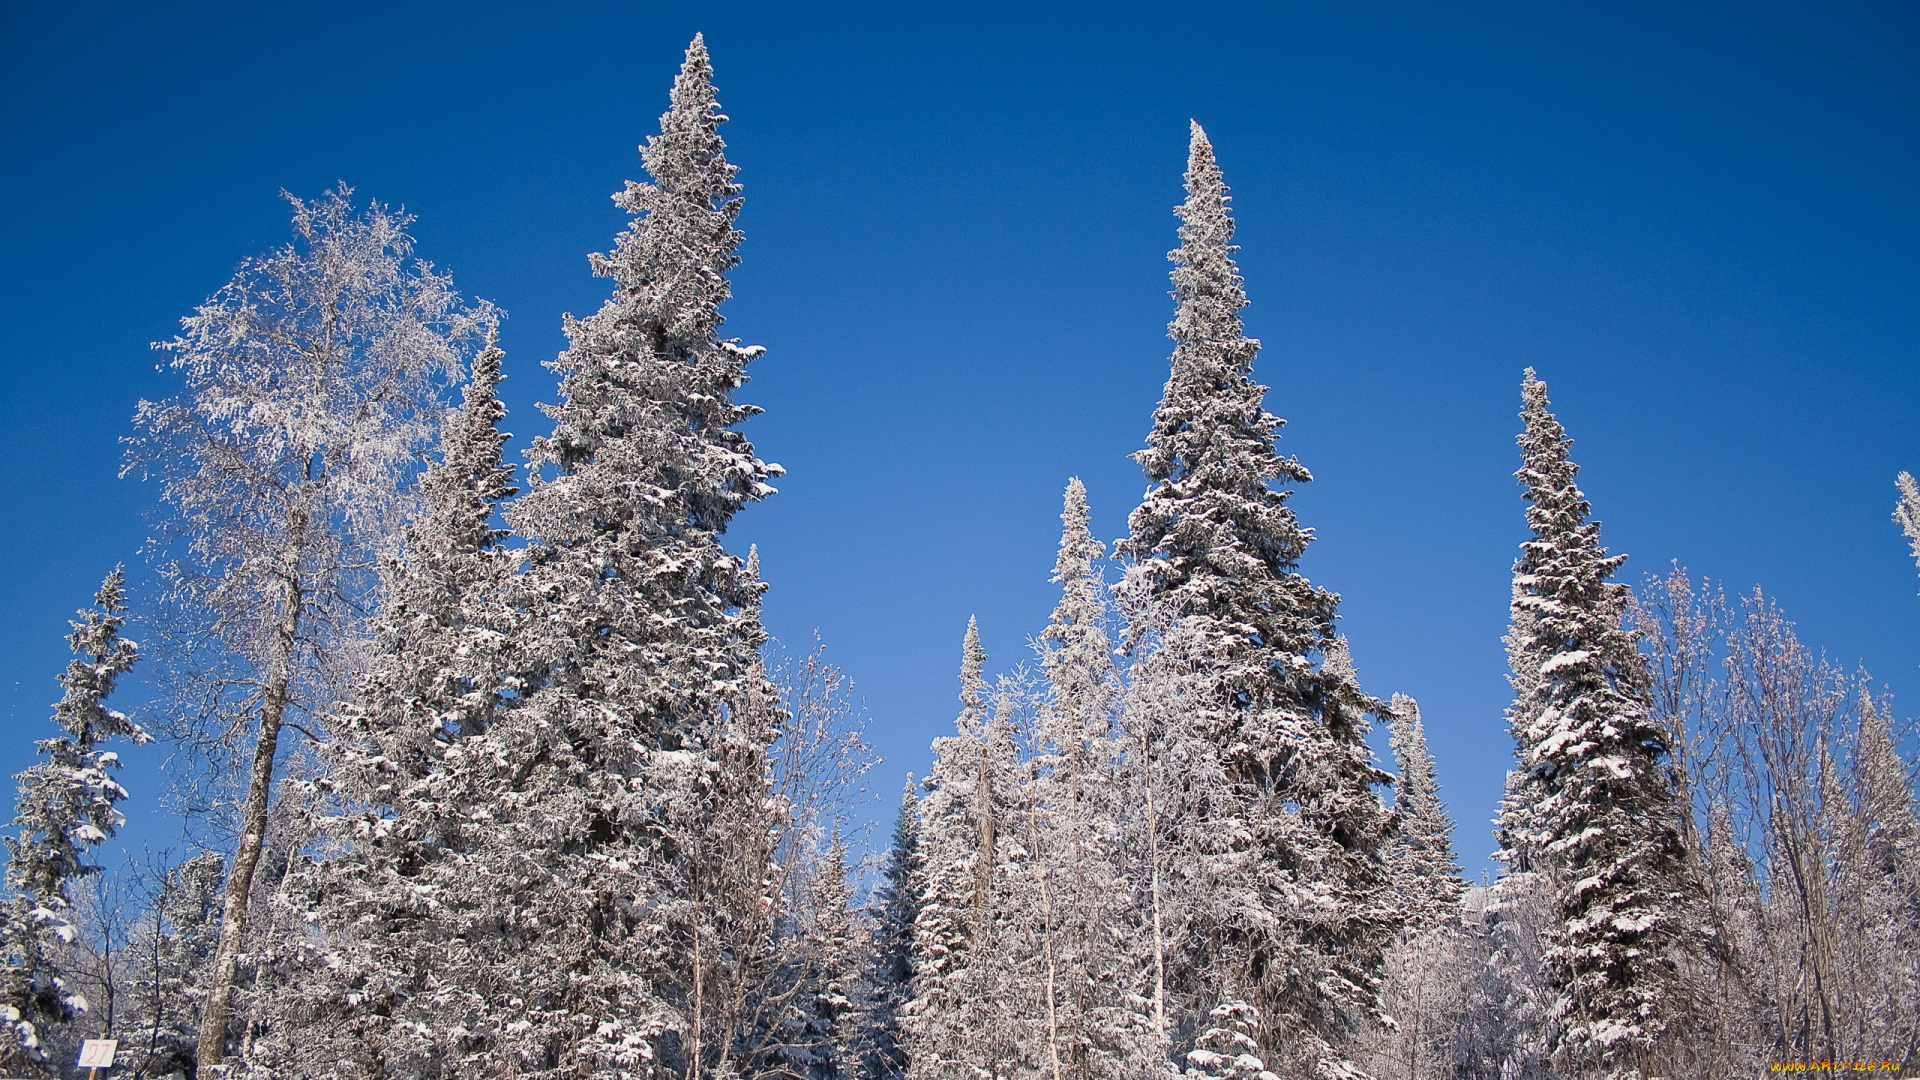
(495, 771)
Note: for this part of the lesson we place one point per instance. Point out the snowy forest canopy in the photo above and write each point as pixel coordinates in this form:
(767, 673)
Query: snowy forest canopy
(501, 777)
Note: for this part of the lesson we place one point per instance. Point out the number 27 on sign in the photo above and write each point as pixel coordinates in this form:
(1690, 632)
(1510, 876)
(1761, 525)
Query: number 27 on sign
(97, 1054)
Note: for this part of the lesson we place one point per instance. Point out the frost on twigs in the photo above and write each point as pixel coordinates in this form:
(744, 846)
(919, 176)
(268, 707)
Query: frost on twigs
(1907, 511)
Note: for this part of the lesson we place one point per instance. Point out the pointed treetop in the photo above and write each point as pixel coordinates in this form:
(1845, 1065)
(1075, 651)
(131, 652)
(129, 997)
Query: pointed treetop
(748, 627)
(468, 484)
(103, 656)
(1409, 741)
(1078, 548)
(1075, 649)
(1206, 283)
(1211, 454)
(689, 130)
(1542, 428)
(1421, 858)
(1559, 508)
(1203, 173)
(973, 662)
(1337, 661)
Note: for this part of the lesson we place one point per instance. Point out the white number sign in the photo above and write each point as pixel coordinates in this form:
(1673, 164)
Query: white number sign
(98, 1053)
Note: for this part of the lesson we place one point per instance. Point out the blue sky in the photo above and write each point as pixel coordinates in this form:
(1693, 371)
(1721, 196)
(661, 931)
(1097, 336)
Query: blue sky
(1697, 221)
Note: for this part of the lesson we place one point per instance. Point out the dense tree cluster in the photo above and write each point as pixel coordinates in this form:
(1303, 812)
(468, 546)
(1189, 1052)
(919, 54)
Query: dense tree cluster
(512, 783)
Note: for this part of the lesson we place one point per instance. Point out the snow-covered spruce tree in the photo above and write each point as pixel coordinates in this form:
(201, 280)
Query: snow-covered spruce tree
(1080, 880)
(439, 670)
(314, 379)
(818, 1033)
(382, 883)
(1600, 818)
(1228, 1048)
(896, 908)
(1287, 849)
(1427, 984)
(1077, 655)
(1019, 969)
(955, 1023)
(65, 807)
(607, 907)
(1425, 872)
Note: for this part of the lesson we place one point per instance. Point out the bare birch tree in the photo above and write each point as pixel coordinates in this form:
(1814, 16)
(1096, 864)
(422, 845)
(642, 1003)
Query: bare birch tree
(314, 382)
(1802, 825)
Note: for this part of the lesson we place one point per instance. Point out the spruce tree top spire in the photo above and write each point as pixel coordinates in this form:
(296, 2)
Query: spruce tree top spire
(1077, 651)
(1212, 534)
(1078, 548)
(1559, 514)
(693, 198)
(473, 475)
(645, 467)
(1287, 838)
(1594, 808)
(973, 681)
(65, 807)
(1206, 282)
(1421, 859)
(1076, 628)
(438, 671)
(1565, 633)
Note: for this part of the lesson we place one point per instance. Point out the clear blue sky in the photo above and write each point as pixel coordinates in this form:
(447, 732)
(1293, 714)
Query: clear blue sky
(1696, 220)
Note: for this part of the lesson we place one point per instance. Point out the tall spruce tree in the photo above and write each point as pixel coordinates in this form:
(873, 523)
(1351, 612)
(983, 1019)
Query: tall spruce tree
(1077, 653)
(896, 908)
(1593, 809)
(385, 983)
(439, 670)
(956, 1023)
(646, 626)
(1080, 878)
(609, 876)
(643, 642)
(1287, 847)
(66, 806)
(1425, 872)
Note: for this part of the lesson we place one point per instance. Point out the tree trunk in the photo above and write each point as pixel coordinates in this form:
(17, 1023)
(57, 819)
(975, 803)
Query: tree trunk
(253, 835)
(1153, 862)
(1046, 938)
(983, 858)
